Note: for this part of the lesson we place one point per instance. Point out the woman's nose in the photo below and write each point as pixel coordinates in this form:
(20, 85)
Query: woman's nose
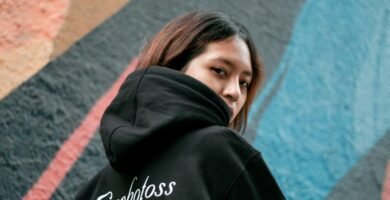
(232, 91)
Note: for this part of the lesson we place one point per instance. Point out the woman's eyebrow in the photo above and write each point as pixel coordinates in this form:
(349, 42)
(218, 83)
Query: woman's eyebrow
(225, 61)
(247, 74)
(231, 65)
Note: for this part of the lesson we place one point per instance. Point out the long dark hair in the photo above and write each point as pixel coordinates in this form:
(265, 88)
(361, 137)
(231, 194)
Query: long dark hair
(187, 36)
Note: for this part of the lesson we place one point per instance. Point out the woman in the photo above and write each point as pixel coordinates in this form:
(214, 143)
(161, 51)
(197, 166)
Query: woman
(172, 132)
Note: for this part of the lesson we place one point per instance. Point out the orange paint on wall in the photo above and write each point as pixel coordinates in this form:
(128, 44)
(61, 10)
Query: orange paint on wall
(34, 32)
(25, 20)
(27, 31)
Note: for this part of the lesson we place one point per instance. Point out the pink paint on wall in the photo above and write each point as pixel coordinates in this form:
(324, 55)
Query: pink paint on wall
(25, 20)
(386, 184)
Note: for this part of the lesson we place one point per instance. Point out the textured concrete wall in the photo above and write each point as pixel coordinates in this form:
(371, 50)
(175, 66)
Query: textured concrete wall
(321, 121)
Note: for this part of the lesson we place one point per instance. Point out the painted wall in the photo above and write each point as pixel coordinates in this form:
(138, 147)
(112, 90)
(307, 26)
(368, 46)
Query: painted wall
(330, 101)
(321, 121)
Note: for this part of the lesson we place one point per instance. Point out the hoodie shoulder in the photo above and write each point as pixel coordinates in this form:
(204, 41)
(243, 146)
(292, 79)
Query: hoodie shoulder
(221, 144)
(220, 136)
(239, 164)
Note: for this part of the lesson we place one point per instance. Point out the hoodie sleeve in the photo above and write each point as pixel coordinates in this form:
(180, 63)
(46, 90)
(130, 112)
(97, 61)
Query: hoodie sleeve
(255, 182)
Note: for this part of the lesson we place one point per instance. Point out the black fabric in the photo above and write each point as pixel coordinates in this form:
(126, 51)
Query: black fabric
(166, 137)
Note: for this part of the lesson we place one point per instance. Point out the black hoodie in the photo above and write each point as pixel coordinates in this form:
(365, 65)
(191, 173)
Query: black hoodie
(166, 137)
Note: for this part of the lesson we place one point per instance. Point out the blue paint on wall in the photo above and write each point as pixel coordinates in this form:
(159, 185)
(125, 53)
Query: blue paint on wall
(334, 101)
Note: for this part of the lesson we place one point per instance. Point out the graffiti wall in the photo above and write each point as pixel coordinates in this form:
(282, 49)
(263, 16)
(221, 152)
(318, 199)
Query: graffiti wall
(322, 120)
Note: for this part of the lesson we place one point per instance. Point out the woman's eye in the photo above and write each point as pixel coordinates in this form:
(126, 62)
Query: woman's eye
(244, 84)
(219, 71)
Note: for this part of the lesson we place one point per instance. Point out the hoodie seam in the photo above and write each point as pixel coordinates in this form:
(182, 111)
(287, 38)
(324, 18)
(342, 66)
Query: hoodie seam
(135, 95)
(135, 111)
(111, 135)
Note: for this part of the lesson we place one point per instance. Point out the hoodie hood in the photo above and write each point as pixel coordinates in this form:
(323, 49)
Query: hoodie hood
(153, 107)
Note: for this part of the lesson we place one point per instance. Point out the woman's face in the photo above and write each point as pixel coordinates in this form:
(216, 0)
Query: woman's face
(225, 67)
